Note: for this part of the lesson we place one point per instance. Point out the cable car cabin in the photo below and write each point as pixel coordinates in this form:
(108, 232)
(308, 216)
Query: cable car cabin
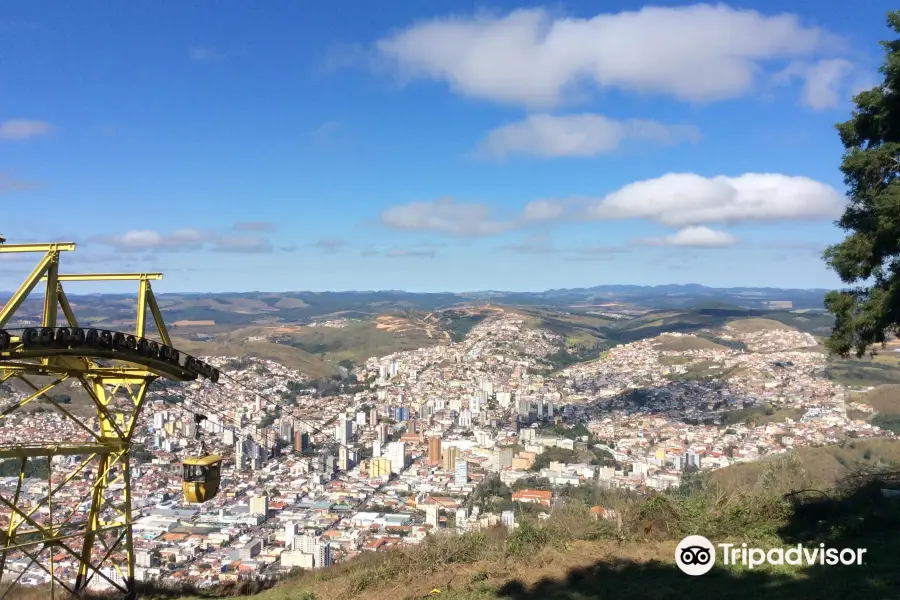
(201, 477)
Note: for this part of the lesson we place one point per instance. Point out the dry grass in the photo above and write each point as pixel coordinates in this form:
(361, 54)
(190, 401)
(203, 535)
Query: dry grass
(884, 399)
(571, 556)
(756, 325)
(823, 466)
(672, 343)
(290, 357)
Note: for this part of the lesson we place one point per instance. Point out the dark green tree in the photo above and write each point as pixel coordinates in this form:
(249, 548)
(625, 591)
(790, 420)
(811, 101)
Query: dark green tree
(869, 257)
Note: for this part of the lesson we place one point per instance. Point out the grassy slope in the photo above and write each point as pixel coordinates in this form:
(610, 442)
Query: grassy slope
(823, 465)
(884, 399)
(356, 342)
(866, 371)
(293, 358)
(670, 343)
(755, 325)
(579, 329)
(571, 557)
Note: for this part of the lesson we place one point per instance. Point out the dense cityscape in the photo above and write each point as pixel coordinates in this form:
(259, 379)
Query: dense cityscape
(311, 480)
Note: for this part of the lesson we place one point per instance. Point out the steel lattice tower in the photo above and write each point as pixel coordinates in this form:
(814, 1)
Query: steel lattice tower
(82, 510)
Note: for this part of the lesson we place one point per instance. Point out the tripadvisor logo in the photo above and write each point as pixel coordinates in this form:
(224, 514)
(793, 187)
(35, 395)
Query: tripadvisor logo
(696, 555)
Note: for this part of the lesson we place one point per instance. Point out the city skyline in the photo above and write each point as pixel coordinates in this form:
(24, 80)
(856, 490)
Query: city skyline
(447, 148)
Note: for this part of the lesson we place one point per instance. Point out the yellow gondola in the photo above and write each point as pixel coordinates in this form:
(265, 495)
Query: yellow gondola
(201, 478)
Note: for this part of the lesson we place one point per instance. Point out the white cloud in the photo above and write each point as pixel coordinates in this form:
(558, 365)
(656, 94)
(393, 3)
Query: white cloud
(542, 210)
(693, 237)
(697, 53)
(683, 199)
(445, 216)
(23, 129)
(182, 240)
(144, 239)
(826, 83)
(583, 135)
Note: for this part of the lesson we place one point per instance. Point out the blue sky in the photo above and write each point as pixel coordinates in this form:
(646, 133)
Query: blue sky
(431, 146)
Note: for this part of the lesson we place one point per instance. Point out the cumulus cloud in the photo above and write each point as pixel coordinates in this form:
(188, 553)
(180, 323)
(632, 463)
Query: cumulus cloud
(182, 240)
(581, 135)
(697, 53)
(144, 239)
(23, 129)
(693, 237)
(409, 253)
(542, 210)
(676, 200)
(684, 199)
(826, 83)
(445, 216)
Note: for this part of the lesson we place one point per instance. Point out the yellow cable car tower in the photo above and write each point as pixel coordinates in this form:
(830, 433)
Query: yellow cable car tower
(82, 512)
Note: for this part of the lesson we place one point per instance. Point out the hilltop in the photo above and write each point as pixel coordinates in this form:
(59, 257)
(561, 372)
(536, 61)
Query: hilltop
(265, 308)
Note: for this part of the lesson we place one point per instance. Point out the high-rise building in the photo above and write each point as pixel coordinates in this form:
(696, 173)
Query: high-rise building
(323, 554)
(397, 455)
(345, 463)
(241, 460)
(692, 459)
(504, 458)
(373, 416)
(290, 532)
(286, 431)
(461, 472)
(376, 449)
(451, 454)
(301, 441)
(432, 517)
(344, 430)
(259, 505)
(434, 451)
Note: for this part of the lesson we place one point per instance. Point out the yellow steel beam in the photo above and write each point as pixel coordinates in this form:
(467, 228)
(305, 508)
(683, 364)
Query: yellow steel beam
(140, 325)
(110, 451)
(109, 276)
(65, 305)
(157, 317)
(51, 247)
(16, 301)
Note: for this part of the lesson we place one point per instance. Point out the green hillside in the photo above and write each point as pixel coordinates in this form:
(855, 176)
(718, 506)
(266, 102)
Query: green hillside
(294, 358)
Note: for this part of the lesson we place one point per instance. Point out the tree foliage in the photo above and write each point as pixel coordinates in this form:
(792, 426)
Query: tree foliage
(869, 257)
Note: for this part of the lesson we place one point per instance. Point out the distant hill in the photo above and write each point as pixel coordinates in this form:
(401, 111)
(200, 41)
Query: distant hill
(249, 308)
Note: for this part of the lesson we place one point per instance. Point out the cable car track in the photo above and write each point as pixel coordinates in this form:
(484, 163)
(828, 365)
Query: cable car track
(50, 342)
